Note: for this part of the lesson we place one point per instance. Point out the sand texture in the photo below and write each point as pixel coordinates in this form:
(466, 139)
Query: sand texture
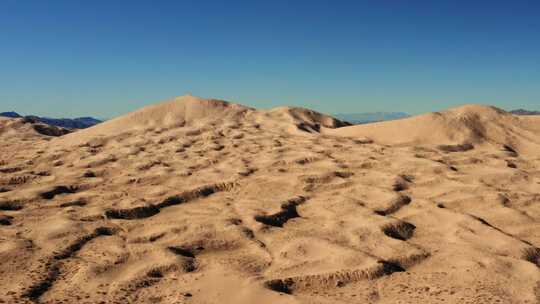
(205, 201)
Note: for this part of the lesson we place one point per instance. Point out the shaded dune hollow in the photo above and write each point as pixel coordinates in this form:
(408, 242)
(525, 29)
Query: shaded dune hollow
(196, 200)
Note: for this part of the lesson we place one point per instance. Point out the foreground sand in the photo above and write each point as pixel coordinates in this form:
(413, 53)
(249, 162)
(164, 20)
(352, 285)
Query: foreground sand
(201, 201)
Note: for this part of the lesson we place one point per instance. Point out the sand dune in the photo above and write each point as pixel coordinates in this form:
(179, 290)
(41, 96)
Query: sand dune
(470, 124)
(205, 201)
(24, 128)
(194, 112)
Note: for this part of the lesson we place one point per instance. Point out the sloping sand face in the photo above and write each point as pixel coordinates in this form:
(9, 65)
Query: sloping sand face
(203, 201)
(470, 124)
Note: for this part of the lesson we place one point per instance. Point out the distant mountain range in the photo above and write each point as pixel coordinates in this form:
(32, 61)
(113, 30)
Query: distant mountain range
(10, 114)
(363, 118)
(524, 112)
(69, 123)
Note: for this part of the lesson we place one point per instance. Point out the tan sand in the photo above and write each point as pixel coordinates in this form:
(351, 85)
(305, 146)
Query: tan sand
(205, 201)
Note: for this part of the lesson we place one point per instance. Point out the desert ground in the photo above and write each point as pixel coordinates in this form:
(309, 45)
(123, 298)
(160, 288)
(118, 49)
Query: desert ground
(204, 201)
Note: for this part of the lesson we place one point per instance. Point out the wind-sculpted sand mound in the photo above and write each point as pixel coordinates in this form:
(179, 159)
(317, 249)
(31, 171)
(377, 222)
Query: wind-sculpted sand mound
(198, 113)
(27, 128)
(204, 201)
(461, 127)
(185, 111)
(298, 120)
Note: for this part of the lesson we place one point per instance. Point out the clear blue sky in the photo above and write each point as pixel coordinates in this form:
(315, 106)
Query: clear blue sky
(104, 58)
